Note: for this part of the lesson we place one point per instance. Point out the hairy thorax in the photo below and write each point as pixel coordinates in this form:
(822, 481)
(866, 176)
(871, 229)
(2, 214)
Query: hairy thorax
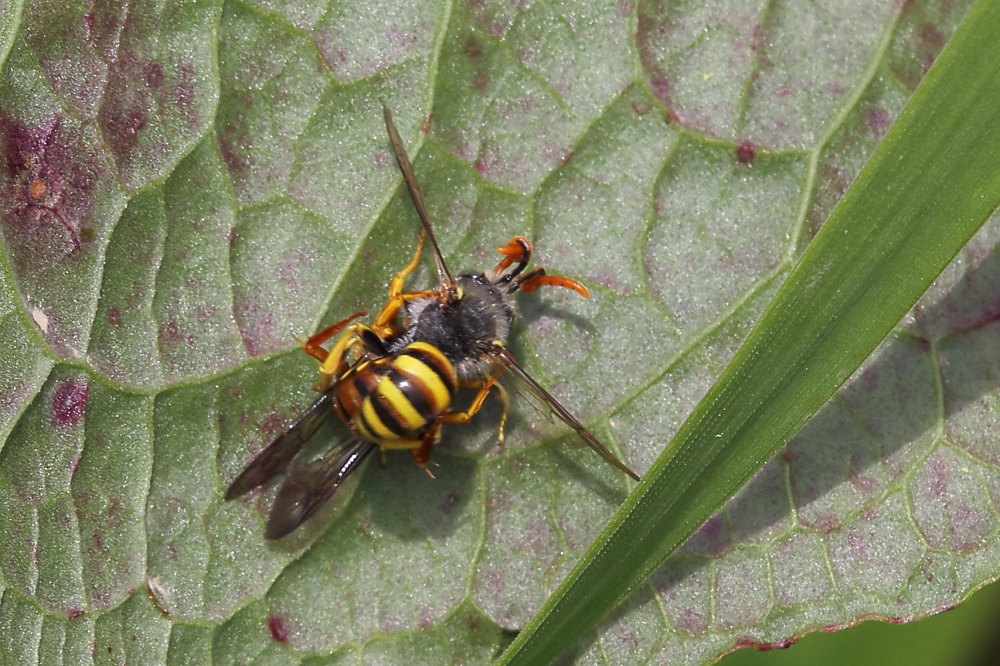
(464, 328)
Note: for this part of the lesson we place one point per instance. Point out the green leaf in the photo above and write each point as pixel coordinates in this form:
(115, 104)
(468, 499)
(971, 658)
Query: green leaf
(933, 181)
(187, 187)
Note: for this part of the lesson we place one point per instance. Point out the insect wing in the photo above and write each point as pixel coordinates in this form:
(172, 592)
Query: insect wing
(311, 485)
(447, 281)
(275, 458)
(510, 363)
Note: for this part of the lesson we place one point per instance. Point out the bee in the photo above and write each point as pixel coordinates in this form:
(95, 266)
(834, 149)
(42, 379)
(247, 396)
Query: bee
(394, 385)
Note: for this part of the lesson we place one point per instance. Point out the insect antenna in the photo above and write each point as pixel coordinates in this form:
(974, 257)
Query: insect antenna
(444, 275)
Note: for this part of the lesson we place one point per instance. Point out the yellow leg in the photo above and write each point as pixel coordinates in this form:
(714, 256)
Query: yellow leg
(392, 306)
(396, 284)
(505, 405)
(477, 404)
(333, 365)
(382, 324)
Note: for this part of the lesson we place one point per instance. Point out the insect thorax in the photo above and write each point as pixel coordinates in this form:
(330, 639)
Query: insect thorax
(464, 329)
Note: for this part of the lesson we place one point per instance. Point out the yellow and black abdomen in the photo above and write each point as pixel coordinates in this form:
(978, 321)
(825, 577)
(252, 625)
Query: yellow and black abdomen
(392, 399)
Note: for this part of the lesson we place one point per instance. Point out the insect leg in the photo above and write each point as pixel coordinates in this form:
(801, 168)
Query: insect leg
(333, 365)
(505, 406)
(383, 325)
(314, 345)
(382, 322)
(483, 388)
(422, 454)
(396, 284)
(475, 406)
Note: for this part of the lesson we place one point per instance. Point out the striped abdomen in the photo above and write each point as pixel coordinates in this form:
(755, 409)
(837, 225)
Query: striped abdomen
(391, 400)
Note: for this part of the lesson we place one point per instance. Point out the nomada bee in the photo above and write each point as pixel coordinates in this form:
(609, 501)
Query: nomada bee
(394, 386)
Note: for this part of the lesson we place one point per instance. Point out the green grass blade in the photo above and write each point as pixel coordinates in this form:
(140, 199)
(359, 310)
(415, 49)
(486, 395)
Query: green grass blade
(928, 188)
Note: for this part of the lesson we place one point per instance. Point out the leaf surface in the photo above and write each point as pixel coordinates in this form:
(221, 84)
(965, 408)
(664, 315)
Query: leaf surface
(186, 188)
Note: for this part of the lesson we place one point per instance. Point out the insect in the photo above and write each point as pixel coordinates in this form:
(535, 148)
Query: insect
(394, 384)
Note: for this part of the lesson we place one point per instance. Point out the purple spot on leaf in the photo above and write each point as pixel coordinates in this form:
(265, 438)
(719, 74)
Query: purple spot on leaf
(858, 544)
(493, 581)
(755, 34)
(105, 21)
(939, 477)
(481, 80)
(745, 152)
(122, 127)
(11, 400)
(42, 180)
(256, 325)
(69, 403)
(153, 72)
(826, 523)
(765, 647)
(690, 621)
(865, 483)
(234, 147)
(278, 628)
(185, 94)
(472, 49)
(273, 425)
(932, 36)
(878, 122)
(114, 506)
(661, 88)
(97, 545)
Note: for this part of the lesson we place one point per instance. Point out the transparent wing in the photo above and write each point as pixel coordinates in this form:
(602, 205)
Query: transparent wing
(447, 281)
(311, 485)
(275, 458)
(507, 360)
